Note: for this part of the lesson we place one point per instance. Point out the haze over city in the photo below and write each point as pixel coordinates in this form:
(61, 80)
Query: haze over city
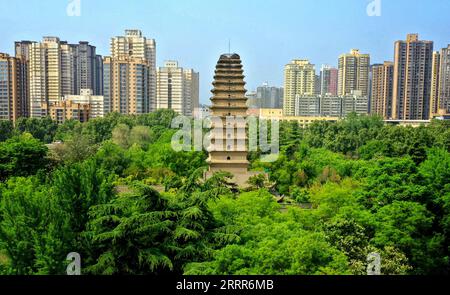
(196, 32)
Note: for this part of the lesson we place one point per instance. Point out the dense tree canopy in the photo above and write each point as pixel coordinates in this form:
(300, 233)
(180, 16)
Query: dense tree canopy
(21, 155)
(114, 190)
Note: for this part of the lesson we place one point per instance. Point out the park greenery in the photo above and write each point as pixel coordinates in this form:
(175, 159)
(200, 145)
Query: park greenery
(114, 190)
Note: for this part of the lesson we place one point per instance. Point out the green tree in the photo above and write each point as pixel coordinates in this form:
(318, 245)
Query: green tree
(141, 136)
(131, 234)
(111, 157)
(42, 222)
(270, 242)
(121, 135)
(6, 130)
(33, 231)
(144, 232)
(435, 174)
(76, 148)
(258, 181)
(43, 129)
(80, 186)
(372, 149)
(67, 129)
(22, 156)
(386, 180)
(406, 226)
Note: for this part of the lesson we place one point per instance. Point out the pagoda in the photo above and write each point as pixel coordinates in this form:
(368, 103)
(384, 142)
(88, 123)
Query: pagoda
(228, 149)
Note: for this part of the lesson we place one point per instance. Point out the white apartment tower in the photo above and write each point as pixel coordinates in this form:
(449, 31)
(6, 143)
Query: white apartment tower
(299, 79)
(56, 69)
(177, 88)
(45, 74)
(435, 79)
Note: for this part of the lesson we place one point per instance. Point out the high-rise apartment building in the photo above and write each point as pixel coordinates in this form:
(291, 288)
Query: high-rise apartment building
(252, 100)
(299, 79)
(134, 46)
(444, 82)
(22, 52)
(45, 74)
(354, 68)
(22, 49)
(328, 80)
(67, 68)
(269, 97)
(98, 89)
(191, 91)
(88, 68)
(177, 88)
(126, 85)
(12, 105)
(107, 84)
(382, 89)
(317, 85)
(412, 78)
(435, 71)
(56, 68)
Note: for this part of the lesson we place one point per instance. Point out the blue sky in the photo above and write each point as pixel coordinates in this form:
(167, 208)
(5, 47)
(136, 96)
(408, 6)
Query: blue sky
(266, 33)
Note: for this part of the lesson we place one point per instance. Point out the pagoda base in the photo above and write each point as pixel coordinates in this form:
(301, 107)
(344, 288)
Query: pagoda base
(239, 178)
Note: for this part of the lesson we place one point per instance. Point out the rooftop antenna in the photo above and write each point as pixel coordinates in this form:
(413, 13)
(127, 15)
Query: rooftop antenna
(229, 46)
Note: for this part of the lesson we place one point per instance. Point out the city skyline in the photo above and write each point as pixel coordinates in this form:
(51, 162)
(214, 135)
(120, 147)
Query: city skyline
(56, 68)
(207, 29)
